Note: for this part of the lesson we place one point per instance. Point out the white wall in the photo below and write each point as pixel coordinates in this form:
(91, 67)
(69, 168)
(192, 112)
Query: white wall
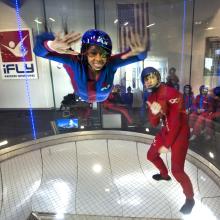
(13, 92)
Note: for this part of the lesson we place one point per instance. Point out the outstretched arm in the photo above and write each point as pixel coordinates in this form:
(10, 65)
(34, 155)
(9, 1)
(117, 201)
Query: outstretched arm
(56, 48)
(138, 47)
(136, 43)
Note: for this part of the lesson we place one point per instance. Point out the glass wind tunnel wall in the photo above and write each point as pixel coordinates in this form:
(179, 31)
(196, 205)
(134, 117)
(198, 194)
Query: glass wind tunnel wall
(183, 35)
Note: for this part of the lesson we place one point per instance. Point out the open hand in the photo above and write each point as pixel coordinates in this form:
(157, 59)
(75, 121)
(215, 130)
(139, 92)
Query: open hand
(62, 44)
(136, 43)
(155, 107)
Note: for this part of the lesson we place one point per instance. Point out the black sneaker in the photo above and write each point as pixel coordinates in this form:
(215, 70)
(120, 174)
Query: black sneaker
(158, 177)
(188, 206)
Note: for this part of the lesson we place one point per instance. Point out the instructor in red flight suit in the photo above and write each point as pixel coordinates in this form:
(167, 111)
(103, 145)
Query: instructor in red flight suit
(166, 105)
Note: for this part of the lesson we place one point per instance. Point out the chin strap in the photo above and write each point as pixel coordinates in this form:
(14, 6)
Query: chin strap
(154, 88)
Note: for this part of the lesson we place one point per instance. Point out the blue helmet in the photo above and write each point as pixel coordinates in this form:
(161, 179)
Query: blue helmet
(187, 89)
(203, 89)
(97, 37)
(148, 71)
(216, 91)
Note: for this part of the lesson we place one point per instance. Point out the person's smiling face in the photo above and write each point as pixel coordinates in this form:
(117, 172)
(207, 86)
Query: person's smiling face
(97, 57)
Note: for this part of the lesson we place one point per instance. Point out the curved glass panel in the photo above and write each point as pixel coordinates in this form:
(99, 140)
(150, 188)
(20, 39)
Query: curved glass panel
(38, 97)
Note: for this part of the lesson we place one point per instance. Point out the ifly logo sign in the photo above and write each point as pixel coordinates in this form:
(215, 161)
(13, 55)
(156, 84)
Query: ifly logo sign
(16, 56)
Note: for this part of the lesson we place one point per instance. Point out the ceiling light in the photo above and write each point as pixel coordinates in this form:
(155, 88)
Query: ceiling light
(210, 28)
(198, 22)
(150, 25)
(38, 22)
(52, 19)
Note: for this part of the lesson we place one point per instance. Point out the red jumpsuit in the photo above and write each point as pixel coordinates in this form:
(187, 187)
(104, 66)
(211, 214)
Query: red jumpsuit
(174, 134)
(113, 103)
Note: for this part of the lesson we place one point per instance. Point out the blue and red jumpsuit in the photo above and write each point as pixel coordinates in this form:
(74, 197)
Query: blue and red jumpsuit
(88, 88)
(189, 102)
(174, 134)
(198, 119)
(212, 116)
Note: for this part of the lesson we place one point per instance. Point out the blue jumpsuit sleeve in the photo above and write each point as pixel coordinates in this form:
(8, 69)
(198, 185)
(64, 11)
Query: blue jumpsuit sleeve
(41, 51)
(118, 62)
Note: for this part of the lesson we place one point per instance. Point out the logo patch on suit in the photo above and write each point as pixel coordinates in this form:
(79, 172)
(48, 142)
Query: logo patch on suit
(173, 101)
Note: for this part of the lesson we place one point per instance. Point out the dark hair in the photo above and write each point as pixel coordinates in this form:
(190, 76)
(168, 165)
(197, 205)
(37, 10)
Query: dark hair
(172, 69)
(187, 86)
